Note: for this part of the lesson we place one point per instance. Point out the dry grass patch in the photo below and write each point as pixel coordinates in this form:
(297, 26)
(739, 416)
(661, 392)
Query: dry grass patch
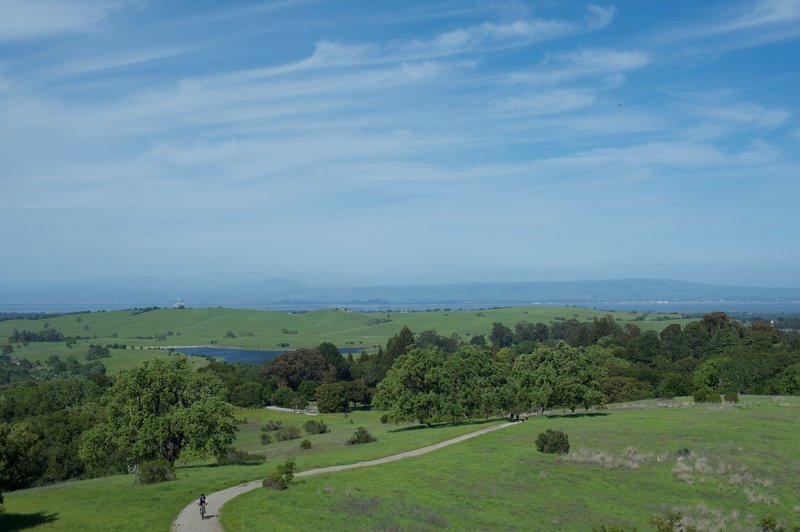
(631, 458)
(701, 517)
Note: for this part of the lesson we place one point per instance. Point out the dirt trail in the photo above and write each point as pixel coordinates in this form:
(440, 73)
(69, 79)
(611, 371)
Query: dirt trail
(189, 518)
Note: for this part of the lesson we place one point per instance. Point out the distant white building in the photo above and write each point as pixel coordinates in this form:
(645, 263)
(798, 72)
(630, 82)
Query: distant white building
(179, 303)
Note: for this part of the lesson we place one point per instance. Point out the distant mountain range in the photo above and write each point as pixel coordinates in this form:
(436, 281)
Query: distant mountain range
(282, 293)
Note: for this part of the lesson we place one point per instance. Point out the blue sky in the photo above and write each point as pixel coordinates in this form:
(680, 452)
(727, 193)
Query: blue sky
(356, 143)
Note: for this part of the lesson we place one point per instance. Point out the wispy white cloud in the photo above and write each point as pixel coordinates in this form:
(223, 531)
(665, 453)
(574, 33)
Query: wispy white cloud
(742, 113)
(25, 19)
(747, 24)
(547, 102)
(122, 59)
(760, 14)
(486, 37)
(558, 68)
(599, 17)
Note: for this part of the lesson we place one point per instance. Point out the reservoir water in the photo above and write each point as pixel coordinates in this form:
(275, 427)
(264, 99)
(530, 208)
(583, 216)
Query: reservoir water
(245, 356)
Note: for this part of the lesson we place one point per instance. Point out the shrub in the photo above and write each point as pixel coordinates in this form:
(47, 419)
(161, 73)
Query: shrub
(553, 441)
(768, 524)
(275, 481)
(361, 435)
(704, 394)
(316, 427)
(670, 522)
(683, 452)
(305, 444)
(235, 456)
(282, 477)
(266, 439)
(731, 397)
(272, 425)
(155, 472)
(385, 418)
(287, 433)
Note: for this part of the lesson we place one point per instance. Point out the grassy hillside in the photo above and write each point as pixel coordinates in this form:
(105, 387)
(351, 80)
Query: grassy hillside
(118, 503)
(252, 329)
(623, 470)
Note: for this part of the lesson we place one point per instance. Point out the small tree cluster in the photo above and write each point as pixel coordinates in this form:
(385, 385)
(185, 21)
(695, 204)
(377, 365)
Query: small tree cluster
(154, 472)
(553, 441)
(316, 427)
(361, 435)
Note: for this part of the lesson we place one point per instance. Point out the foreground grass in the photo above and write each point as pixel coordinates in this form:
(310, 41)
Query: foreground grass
(622, 470)
(254, 329)
(118, 503)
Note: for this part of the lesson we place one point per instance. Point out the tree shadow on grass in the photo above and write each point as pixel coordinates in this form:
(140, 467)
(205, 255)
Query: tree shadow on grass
(9, 521)
(576, 415)
(477, 423)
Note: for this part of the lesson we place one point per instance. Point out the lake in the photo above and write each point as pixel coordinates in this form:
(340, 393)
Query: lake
(245, 356)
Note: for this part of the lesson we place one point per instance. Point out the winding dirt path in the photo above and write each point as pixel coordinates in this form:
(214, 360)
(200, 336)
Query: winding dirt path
(189, 518)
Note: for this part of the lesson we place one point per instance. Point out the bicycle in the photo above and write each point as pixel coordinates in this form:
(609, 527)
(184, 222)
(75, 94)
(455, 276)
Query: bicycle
(202, 511)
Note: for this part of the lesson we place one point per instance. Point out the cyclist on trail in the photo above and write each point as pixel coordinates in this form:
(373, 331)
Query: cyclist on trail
(202, 503)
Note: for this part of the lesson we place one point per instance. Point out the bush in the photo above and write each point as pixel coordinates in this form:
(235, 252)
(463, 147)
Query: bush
(305, 444)
(385, 418)
(275, 481)
(272, 425)
(683, 452)
(237, 457)
(361, 435)
(704, 394)
(155, 472)
(671, 521)
(553, 441)
(731, 397)
(287, 433)
(316, 427)
(282, 477)
(266, 439)
(769, 524)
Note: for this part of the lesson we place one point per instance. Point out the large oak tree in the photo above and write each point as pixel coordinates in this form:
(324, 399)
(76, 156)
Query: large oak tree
(157, 411)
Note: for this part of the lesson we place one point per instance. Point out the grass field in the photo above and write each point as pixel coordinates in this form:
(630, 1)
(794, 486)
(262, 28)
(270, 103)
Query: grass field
(118, 503)
(253, 329)
(623, 469)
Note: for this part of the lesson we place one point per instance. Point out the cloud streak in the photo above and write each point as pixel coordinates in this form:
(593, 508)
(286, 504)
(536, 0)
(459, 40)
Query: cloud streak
(23, 19)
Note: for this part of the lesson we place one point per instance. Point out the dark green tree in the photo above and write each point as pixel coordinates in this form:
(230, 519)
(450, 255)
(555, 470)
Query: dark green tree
(501, 336)
(560, 376)
(333, 397)
(412, 389)
(159, 409)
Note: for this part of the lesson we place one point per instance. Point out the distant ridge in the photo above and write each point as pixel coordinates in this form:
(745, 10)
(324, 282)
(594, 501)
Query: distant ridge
(281, 293)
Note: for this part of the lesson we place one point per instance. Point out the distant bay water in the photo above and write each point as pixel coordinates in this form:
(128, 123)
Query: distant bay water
(245, 356)
(689, 307)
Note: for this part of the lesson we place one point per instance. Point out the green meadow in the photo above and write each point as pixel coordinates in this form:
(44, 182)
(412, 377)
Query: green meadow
(119, 503)
(269, 330)
(623, 468)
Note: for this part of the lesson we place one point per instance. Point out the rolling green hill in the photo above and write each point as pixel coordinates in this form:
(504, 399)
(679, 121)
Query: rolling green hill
(269, 330)
(623, 469)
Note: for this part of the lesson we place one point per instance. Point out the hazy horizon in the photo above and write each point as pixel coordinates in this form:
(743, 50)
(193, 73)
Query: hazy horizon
(358, 143)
